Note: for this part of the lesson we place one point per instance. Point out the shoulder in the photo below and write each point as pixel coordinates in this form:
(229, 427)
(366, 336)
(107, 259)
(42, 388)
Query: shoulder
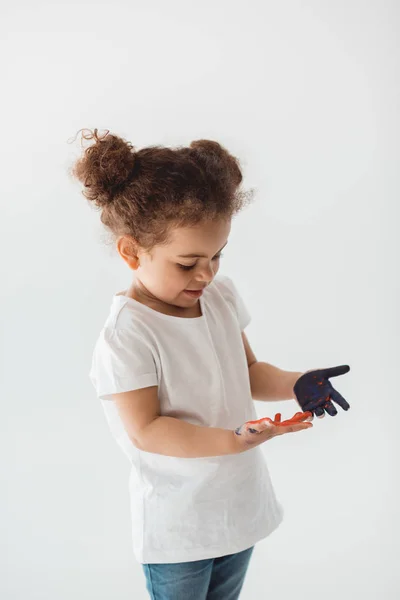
(123, 329)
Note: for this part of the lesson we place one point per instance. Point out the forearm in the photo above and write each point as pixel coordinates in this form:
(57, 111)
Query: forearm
(173, 437)
(269, 383)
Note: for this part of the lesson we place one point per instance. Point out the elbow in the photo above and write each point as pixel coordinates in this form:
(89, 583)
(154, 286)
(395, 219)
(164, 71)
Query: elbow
(136, 443)
(141, 438)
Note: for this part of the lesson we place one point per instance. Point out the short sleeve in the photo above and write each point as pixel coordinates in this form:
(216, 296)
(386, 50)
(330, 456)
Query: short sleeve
(242, 312)
(122, 361)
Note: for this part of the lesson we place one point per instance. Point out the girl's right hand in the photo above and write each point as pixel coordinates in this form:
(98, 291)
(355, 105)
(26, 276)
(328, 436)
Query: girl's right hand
(254, 433)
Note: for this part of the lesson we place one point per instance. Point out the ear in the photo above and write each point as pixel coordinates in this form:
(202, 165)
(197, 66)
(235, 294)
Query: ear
(127, 249)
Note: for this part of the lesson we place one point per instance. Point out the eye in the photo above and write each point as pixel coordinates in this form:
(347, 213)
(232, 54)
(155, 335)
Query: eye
(188, 268)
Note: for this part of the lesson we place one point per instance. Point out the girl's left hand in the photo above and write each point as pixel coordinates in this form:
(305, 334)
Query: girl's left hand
(315, 393)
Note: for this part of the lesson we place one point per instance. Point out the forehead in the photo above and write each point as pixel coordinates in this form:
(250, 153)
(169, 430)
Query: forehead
(199, 240)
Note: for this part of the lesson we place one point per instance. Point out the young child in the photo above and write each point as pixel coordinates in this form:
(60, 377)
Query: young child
(176, 374)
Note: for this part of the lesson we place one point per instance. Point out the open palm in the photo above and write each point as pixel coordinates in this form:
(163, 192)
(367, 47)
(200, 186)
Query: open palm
(315, 393)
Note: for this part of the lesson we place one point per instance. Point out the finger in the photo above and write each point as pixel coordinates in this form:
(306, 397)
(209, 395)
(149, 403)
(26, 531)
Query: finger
(278, 418)
(313, 405)
(297, 418)
(287, 423)
(330, 409)
(338, 398)
(335, 371)
(319, 412)
(304, 416)
(292, 428)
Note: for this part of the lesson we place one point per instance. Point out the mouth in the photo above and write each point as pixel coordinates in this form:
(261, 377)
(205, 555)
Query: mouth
(194, 293)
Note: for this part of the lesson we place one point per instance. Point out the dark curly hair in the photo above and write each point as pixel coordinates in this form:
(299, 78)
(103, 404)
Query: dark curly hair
(145, 193)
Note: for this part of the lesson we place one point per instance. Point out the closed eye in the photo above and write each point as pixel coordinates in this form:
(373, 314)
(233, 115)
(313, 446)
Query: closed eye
(188, 268)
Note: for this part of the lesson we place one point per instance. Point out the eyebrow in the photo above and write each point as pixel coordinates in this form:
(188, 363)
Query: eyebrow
(198, 255)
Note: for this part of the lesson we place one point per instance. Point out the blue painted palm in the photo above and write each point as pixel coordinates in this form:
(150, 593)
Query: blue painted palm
(315, 393)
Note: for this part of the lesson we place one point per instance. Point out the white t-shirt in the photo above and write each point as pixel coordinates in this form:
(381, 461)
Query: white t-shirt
(186, 509)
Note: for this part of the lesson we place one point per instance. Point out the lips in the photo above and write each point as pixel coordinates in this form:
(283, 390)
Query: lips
(194, 293)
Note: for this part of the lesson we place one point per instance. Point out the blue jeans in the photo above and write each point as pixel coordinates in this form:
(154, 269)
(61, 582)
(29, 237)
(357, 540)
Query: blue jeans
(210, 579)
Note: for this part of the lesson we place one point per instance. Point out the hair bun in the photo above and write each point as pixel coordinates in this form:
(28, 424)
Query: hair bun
(217, 158)
(106, 167)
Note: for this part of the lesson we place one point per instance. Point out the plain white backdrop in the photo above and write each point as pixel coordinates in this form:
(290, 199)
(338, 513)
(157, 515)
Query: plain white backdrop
(306, 94)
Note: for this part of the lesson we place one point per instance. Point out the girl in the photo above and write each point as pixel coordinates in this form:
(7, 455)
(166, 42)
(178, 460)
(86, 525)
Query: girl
(175, 372)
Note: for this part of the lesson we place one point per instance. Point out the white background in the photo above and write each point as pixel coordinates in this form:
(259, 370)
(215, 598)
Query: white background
(306, 94)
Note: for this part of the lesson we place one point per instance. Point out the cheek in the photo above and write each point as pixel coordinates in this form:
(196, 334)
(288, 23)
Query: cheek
(173, 278)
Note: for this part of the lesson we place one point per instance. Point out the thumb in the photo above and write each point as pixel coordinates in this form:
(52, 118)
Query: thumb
(335, 371)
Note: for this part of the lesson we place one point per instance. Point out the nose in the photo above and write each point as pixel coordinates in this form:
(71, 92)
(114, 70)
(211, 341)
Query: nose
(206, 275)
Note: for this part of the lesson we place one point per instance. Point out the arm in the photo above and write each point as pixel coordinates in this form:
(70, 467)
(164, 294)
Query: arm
(267, 382)
(140, 412)
(174, 437)
(149, 431)
(314, 392)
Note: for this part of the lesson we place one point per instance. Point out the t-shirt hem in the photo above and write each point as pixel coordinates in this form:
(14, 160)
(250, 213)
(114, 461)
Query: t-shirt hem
(155, 557)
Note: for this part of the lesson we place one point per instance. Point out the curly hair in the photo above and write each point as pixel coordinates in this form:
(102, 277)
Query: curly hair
(145, 193)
